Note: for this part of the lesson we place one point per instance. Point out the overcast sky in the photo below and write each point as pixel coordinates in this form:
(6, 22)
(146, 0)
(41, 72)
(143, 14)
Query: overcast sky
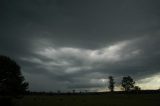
(77, 44)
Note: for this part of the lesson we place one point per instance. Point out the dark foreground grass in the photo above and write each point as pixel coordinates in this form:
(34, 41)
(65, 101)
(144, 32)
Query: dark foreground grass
(91, 100)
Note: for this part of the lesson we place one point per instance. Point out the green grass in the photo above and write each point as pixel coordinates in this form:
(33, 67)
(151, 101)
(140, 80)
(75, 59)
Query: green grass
(90, 100)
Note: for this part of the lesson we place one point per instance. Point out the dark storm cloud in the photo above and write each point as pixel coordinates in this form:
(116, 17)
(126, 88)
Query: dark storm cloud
(78, 43)
(80, 20)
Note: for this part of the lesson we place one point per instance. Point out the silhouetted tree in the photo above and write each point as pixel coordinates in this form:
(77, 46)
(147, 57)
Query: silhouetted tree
(137, 88)
(127, 83)
(11, 80)
(73, 91)
(111, 83)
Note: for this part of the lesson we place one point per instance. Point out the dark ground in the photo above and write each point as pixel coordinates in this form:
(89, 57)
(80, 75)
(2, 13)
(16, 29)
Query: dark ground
(97, 99)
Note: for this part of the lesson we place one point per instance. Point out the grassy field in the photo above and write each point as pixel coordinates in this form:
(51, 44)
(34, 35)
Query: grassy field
(91, 100)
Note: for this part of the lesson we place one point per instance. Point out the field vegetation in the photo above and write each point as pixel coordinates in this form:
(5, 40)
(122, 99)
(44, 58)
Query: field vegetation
(90, 100)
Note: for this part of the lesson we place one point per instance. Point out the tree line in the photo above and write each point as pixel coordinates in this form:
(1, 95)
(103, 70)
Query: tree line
(127, 84)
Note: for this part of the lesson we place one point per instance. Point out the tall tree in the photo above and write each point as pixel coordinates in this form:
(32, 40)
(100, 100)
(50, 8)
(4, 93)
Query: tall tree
(127, 83)
(12, 82)
(111, 83)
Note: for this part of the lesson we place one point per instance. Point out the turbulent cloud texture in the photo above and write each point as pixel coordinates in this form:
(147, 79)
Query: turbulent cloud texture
(77, 44)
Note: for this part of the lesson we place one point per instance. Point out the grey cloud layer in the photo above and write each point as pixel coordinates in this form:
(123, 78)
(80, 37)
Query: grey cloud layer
(77, 43)
(79, 67)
